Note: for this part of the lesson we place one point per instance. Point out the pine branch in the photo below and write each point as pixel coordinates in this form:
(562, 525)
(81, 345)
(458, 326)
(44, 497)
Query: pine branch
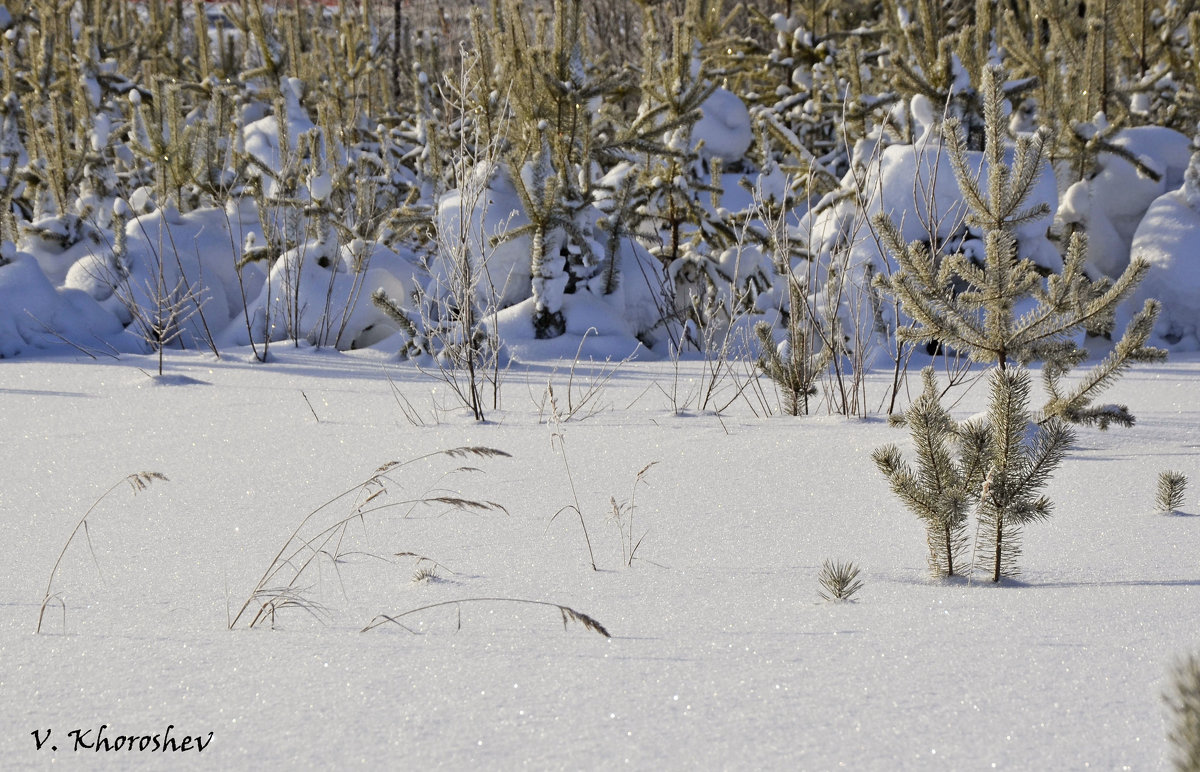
(1074, 405)
(1049, 449)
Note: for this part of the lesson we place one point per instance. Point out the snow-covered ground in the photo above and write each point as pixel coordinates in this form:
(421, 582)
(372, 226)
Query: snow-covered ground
(722, 654)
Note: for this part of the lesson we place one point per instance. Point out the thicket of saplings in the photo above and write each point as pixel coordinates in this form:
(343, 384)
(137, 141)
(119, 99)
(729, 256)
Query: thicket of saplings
(107, 101)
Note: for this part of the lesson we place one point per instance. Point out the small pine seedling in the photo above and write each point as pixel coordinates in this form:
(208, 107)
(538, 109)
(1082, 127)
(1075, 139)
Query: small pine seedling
(1171, 487)
(839, 581)
(1183, 700)
(426, 574)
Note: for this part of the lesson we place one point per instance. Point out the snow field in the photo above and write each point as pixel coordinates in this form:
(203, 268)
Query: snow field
(722, 654)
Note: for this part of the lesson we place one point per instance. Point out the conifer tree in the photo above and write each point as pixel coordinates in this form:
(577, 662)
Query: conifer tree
(939, 51)
(973, 305)
(550, 140)
(679, 206)
(994, 466)
(1094, 73)
(796, 363)
(1183, 700)
(12, 156)
(674, 191)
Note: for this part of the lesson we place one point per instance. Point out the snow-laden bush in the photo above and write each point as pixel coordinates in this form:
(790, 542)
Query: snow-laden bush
(319, 292)
(618, 294)
(199, 260)
(162, 253)
(723, 131)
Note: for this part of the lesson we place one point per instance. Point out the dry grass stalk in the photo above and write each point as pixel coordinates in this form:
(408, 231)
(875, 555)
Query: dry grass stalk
(421, 560)
(559, 439)
(622, 514)
(279, 587)
(138, 481)
(568, 614)
(582, 402)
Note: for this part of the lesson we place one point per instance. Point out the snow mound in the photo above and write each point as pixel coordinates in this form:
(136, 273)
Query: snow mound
(915, 186)
(474, 220)
(172, 253)
(595, 331)
(319, 292)
(262, 137)
(171, 379)
(491, 207)
(1111, 204)
(1167, 239)
(36, 315)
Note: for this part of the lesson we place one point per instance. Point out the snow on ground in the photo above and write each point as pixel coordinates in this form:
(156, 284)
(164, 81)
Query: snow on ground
(721, 656)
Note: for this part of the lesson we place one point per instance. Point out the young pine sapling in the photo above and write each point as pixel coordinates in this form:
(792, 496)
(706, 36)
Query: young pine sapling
(972, 305)
(1020, 457)
(795, 364)
(839, 581)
